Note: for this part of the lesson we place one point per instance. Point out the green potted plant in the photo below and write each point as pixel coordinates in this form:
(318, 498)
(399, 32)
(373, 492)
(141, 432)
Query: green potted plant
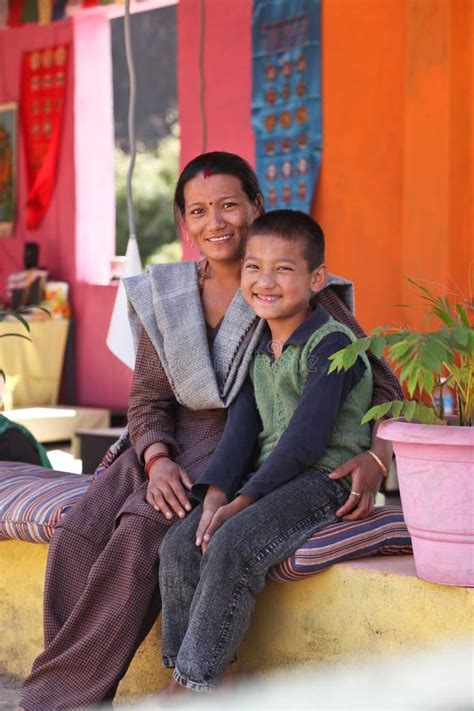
(18, 315)
(434, 447)
(6, 426)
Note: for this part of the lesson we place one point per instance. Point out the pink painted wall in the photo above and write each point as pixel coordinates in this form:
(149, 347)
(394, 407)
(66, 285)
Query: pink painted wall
(77, 236)
(102, 380)
(228, 90)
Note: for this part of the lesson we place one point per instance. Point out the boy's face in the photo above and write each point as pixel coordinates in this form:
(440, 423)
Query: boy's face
(276, 279)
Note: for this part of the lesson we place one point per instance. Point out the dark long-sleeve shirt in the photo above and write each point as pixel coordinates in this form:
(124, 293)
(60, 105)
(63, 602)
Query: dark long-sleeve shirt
(305, 439)
(154, 415)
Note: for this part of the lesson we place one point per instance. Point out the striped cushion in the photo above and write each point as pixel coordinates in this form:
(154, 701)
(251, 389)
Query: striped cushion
(383, 533)
(33, 499)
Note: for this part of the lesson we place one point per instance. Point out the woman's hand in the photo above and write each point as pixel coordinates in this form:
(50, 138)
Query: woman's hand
(167, 486)
(366, 478)
(221, 515)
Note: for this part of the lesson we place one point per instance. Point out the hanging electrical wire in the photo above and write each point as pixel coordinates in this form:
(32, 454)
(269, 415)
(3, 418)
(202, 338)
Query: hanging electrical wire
(119, 337)
(131, 119)
(202, 74)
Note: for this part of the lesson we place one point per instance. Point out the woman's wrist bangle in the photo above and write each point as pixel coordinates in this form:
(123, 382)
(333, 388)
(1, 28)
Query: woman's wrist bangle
(382, 466)
(154, 458)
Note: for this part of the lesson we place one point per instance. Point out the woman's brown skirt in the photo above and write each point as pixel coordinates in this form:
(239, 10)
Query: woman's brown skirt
(102, 591)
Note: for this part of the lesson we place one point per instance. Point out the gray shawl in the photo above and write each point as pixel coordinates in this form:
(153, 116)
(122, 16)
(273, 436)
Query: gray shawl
(166, 302)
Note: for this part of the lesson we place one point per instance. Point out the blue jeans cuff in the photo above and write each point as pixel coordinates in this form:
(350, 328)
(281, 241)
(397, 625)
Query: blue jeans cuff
(169, 662)
(202, 687)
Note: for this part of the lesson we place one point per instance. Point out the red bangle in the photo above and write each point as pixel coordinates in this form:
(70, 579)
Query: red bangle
(154, 458)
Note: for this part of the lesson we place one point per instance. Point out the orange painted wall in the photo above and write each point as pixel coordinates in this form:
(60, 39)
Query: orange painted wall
(358, 198)
(395, 194)
(437, 187)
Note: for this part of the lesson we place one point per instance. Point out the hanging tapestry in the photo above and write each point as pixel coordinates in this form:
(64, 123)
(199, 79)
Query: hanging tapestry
(286, 100)
(14, 13)
(7, 168)
(43, 93)
(3, 12)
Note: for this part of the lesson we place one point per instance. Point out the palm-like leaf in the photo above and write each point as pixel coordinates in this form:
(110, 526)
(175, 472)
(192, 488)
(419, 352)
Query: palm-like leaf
(425, 361)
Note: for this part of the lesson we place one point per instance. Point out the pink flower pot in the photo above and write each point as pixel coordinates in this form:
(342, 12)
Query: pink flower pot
(435, 467)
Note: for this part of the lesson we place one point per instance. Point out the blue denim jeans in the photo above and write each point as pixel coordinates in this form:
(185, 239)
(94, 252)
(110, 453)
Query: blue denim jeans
(208, 599)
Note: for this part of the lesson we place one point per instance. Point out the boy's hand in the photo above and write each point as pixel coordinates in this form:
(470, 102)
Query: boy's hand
(214, 499)
(223, 514)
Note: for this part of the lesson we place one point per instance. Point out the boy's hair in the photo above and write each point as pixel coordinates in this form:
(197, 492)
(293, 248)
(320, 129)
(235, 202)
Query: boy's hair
(293, 226)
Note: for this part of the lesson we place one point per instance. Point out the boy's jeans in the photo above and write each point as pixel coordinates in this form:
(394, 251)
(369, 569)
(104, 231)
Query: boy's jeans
(208, 599)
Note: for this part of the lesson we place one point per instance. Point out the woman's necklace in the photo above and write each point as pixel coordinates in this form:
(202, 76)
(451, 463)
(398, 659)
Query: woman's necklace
(203, 273)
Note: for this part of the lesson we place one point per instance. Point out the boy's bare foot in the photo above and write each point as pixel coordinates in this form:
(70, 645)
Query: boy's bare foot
(172, 688)
(228, 678)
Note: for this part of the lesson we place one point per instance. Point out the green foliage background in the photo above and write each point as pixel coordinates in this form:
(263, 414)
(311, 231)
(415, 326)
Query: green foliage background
(154, 180)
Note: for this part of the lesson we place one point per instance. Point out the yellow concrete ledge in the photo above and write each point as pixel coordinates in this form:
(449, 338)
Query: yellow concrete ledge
(354, 609)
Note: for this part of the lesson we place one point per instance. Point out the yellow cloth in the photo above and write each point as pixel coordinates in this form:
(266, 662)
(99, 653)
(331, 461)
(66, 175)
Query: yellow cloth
(33, 369)
(45, 11)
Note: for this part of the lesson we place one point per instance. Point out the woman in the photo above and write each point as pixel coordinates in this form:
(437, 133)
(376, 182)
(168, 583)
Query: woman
(195, 335)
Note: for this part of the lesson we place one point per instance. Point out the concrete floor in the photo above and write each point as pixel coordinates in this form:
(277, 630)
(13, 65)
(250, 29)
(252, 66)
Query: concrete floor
(9, 691)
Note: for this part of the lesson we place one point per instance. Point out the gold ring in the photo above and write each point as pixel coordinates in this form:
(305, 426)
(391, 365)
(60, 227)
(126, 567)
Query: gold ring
(355, 493)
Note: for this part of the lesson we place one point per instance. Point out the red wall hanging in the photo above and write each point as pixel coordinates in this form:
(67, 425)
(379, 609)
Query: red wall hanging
(44, 78)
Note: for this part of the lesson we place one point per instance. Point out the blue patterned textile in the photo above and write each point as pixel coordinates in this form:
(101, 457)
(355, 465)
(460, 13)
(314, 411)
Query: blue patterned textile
(286, 100)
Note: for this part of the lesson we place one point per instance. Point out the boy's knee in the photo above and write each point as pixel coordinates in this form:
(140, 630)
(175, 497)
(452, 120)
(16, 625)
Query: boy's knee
(177, 544)
(226, 548)
(168, 545)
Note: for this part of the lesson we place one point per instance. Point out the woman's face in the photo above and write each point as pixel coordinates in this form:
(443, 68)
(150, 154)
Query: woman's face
(218, 214)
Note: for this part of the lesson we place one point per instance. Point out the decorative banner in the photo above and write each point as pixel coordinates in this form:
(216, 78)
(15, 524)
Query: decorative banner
(14, 13)
(45, 11)
(286, 100)
(8, 117)
(59, 9)
(43, 93)
(30, 12)
(4, 11)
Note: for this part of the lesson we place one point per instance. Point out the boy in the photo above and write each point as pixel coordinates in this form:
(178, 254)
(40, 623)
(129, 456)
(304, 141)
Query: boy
(266, 489)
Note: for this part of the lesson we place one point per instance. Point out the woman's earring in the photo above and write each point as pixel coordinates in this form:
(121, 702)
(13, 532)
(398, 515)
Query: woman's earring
(191, 242)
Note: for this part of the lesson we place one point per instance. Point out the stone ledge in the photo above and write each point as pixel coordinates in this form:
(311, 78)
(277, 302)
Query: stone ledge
(355, 609)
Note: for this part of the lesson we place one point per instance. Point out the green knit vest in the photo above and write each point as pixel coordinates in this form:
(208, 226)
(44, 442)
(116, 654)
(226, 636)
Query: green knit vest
(279, 384)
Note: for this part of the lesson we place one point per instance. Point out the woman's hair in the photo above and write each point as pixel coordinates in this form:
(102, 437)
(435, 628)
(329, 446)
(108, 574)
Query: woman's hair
(219, 163)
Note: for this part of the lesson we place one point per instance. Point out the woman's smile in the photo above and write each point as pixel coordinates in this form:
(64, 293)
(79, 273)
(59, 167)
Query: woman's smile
(217, 240)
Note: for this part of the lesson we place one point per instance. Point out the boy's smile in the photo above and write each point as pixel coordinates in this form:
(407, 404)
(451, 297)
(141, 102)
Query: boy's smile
(278, 282)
